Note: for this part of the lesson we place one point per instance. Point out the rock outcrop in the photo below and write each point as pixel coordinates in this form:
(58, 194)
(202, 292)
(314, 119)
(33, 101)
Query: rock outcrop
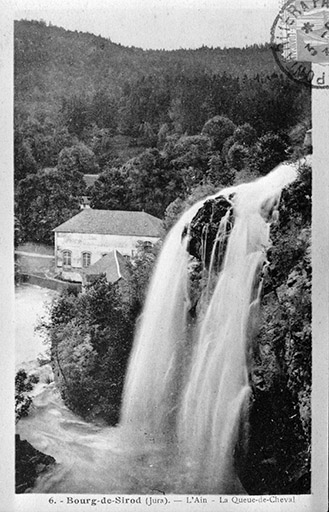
(30, 463)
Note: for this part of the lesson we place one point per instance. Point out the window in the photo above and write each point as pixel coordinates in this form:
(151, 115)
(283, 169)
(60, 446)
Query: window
(86, 257)
(67, 259)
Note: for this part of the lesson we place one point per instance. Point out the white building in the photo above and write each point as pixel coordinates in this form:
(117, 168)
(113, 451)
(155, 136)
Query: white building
(88, 236)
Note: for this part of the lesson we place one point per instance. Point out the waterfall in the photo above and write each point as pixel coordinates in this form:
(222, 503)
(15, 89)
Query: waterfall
(187, 383)
(186, 396)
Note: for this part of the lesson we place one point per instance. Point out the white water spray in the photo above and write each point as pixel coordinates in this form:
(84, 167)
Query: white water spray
(187, 385)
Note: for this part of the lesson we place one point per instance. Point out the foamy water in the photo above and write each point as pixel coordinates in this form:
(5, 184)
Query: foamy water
(187, 383)
(30, 305)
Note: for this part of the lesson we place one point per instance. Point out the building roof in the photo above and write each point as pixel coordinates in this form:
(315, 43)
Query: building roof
(113, 265)
(112, 222)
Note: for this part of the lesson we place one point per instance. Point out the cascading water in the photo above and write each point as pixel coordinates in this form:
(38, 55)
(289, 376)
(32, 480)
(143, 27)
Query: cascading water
(188, 381)
(187, 384)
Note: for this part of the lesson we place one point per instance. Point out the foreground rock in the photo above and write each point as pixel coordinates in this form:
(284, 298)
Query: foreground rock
(206, 229)
(30, 463)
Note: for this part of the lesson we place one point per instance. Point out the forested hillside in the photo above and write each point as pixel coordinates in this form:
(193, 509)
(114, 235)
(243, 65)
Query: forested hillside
(51, 62)
(163, 129)
(153, 124)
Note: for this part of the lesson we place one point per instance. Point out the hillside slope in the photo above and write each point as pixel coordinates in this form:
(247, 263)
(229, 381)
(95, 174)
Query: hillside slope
(51, 62)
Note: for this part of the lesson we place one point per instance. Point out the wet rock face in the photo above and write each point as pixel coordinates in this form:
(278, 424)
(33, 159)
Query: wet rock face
(204, 229)
(276, 460)
(30, 463)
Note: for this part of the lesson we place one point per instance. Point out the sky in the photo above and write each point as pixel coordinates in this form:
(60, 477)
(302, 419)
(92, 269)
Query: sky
(157, 24)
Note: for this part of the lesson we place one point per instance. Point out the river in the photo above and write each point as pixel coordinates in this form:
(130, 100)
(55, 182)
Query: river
(30, 306)
(91, 458)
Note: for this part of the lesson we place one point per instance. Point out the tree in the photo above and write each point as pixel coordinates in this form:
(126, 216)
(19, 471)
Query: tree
(227, 146)
(103, 111)
(90, 345)
(188, 109)
(188, 156)
(39, 135)
(61, 139)
(269, 103)
(175, 114)
(245, 134)
(269, 151)
(74, 112)
(46, 199)
(142, 183)
(140, 268)
(219, 173)
(91, 336)
(24, 162)
(37, 143)
(77, 158)
(152, 183)
(110, 191)
(218, 129)
(237, 156)
(100, 142)
(144, 104)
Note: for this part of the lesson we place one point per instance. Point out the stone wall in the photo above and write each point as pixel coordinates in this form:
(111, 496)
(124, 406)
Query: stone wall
(52, 284)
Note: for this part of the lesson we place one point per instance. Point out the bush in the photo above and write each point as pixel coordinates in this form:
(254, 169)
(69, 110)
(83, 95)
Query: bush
(91, 336)
(23, 385)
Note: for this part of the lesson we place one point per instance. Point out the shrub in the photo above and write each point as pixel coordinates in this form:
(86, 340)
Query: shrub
(23, 385)
(91, 336)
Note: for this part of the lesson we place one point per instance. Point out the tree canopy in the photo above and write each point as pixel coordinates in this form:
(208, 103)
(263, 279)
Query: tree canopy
(91, 335)
(44, 200)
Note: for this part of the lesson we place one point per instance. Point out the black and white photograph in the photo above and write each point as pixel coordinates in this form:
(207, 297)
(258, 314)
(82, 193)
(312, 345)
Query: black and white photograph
(165, 207)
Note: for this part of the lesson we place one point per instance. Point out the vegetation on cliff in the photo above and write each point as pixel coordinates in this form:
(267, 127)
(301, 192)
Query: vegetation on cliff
(91, 335)
(279, 452)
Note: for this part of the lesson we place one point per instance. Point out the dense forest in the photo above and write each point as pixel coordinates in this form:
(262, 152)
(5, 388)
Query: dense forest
(51, 62)
(153, 124)
(163, 129)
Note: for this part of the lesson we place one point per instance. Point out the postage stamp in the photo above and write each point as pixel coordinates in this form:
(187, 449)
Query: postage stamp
(300, 38)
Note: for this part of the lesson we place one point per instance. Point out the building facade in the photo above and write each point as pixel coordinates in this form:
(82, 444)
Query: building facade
(90, 235)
